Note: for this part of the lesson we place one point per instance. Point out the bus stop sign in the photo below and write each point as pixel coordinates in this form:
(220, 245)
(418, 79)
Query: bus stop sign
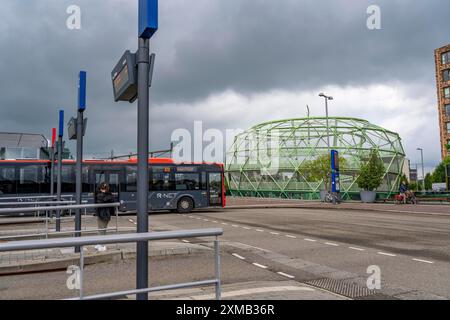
(148, 18)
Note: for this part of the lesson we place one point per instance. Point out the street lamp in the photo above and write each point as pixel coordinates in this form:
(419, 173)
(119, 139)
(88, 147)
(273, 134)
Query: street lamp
(423, 170)
(327, 98)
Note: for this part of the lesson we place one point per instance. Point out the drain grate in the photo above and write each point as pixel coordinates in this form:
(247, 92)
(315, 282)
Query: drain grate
(342, 287)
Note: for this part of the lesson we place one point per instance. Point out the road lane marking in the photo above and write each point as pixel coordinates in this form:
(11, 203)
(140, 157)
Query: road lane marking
(286, 275)
(215, 222)
(247, 228)
(310, 240)
(259, 230)
(424, 261)
(238, 256)
(292, 237)
(259, 265)
(206, 220)
(275, 233)
(387, 254)
(131, 220)
(331, 244)
(185, 241)
(357, 249)
(224, 223)
(191, 217)
(236, 226)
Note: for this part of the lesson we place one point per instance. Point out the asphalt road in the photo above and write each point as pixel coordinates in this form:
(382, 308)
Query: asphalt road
(328, 249)
(412, 250)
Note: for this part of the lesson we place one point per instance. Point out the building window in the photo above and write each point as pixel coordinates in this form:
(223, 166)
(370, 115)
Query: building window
(447, 93)
(447, 110)
(448, 127)
(446, 57)
(446, 75)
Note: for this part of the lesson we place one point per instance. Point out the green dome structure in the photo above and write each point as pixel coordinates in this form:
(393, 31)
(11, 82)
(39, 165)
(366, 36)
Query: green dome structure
(268, 160)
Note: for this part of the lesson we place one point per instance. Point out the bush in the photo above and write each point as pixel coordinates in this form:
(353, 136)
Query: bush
(371, 174)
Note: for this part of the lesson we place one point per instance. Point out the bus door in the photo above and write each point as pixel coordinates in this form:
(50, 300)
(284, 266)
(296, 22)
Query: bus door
(111, 177)
(215, 189)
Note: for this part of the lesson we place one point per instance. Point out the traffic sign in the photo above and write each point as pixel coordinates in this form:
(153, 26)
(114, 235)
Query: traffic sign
(82, 91)
(61, 123)
(148, 18)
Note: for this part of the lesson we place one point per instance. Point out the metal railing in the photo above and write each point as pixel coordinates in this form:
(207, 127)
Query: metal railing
(47, 219)
(127, 238)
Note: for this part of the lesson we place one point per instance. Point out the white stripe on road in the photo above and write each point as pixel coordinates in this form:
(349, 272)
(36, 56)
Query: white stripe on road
(215, 221)
(387, 254)
(185, 241)
(331, 244)
(310, 240)
(259, 230)
(247, 228)
(259, 265)
(275, 233)
(236, 226)
(286, 275)
(424, 261)
(131, 220)
(205, 220)
(224, 223)
(292, 237)
(357, 249)
(238, 256)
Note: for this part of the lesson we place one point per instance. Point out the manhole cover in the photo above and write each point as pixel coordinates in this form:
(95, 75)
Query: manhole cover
(342, 287)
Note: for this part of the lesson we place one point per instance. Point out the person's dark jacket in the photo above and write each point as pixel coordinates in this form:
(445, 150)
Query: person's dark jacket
(104, 213)
(403, 188)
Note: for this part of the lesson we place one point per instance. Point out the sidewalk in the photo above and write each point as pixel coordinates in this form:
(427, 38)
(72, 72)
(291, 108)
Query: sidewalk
(17, 262)
(258, 290)
(245, 203)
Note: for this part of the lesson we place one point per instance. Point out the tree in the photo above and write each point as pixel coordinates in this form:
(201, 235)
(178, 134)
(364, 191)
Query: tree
(438, 175)
(319, 169)
(371, 174)
(428, 181)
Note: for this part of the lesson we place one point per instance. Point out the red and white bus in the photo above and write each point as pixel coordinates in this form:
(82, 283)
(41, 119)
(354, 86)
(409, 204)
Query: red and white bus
(172, 186)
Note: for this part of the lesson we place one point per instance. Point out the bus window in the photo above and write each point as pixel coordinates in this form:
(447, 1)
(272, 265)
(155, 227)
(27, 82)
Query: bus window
(187, 181)
(161, 179)
(215, 189)
(7, 180)
(131, 179)
(67, 179)
(28, 180)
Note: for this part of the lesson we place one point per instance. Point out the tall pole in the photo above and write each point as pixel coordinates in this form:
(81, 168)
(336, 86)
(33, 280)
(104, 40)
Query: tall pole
(59, 174)
(423, 170)
(52, 163)
(328, 127)
(143, 61)
(79, 163)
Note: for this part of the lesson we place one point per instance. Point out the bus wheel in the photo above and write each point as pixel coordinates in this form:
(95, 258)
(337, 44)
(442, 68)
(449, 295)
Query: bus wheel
(185, 205)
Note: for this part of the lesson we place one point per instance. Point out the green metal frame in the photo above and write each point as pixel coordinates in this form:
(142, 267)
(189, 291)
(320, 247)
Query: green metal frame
(294, 141)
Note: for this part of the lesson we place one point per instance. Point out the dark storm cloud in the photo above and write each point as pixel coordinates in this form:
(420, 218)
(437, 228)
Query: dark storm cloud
(203, 47)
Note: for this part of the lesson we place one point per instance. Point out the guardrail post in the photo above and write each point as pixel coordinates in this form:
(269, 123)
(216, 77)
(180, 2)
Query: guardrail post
(217, 268)
(81, 271)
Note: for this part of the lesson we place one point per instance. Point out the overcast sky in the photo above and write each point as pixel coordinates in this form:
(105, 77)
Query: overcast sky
(228, 63)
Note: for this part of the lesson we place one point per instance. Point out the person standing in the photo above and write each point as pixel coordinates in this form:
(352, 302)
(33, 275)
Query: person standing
(103, 195)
